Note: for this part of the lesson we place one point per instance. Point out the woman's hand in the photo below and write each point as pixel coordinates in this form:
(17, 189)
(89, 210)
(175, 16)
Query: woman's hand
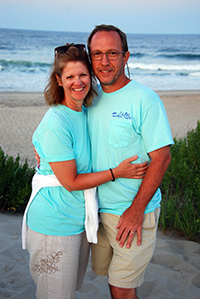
(126, 169)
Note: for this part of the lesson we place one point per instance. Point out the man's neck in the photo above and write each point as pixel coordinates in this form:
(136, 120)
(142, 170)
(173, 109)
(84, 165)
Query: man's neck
(115, 86)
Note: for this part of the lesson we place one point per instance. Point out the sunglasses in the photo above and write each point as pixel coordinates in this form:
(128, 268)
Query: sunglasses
(65, 48)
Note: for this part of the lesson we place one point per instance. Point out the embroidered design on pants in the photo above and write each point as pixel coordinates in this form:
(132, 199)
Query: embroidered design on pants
(48, 265)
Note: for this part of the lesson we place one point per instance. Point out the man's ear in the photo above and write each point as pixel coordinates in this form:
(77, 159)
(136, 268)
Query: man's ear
(126, 57)
(59, 80)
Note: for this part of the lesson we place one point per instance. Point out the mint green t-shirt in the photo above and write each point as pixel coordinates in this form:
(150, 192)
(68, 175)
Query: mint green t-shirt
(131, 121)
(62, 135)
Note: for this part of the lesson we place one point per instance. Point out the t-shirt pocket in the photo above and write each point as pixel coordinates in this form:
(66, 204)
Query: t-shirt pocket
(119, 134)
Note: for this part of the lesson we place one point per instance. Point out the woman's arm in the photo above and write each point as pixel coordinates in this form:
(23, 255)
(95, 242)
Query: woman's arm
(66, 173)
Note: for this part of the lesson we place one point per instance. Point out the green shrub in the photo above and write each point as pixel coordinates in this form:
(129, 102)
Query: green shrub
(15, 183)
(180, 207)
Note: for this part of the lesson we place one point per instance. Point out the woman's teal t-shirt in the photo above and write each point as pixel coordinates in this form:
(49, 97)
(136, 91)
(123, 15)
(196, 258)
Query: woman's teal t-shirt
(62, 135)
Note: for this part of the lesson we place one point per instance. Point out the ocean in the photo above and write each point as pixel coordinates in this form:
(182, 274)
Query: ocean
(162, 62)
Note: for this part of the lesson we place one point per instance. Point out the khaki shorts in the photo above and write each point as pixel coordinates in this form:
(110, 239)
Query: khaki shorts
(125, 267)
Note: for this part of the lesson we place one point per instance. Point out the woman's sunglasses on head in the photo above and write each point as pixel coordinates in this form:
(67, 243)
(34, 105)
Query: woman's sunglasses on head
(65, 48)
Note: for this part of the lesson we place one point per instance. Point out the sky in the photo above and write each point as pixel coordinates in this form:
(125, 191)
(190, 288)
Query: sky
(131, 16)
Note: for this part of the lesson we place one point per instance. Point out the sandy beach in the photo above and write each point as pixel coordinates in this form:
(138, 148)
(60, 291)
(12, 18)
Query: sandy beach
(174, 271)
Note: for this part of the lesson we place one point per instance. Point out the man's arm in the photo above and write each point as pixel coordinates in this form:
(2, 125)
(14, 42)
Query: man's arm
(132, 219)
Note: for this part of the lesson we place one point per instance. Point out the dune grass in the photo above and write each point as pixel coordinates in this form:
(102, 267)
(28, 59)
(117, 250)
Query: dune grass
(15, 183)
(180, 208)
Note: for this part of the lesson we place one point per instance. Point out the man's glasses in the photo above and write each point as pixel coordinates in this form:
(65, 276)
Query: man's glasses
(65, 48)
(111, 55)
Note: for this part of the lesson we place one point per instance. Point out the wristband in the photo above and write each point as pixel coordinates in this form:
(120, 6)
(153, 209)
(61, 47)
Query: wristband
(112, 175)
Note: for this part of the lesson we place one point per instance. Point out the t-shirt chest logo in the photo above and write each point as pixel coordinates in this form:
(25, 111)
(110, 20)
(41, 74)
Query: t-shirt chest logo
(121, 114)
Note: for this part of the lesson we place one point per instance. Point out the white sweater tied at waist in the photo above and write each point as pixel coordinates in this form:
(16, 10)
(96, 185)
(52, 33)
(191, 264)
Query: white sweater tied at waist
(91, 206)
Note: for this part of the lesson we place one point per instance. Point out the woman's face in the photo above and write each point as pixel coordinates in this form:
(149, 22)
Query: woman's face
(75, 80)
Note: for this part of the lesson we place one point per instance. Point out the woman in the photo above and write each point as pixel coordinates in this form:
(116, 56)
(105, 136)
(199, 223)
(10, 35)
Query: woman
(56, 232)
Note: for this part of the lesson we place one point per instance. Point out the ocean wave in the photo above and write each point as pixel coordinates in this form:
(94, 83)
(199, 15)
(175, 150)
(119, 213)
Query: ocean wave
(169, 49)
(22, 65)
(179, 56)
(184, 56)
(197, 74)
(137, 55)
(164, 67)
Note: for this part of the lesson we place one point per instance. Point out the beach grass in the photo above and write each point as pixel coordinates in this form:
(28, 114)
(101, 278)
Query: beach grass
(180, 209)
(15, 183)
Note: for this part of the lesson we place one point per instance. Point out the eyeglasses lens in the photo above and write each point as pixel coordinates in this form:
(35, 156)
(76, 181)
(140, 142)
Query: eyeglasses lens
(111, 55)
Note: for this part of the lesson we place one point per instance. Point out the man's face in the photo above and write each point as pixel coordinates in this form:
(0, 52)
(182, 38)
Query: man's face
(110, 73)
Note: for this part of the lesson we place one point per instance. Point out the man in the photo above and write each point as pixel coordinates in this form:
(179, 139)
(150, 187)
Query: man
(127, 118)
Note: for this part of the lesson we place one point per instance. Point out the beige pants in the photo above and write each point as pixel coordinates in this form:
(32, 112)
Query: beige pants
(125, 267)
(57, 264)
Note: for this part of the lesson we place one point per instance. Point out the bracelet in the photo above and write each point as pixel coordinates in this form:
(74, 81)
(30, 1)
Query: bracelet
(112, 175)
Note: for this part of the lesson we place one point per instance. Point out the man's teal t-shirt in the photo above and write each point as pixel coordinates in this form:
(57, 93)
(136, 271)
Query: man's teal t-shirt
(131, 121)
(62, 135)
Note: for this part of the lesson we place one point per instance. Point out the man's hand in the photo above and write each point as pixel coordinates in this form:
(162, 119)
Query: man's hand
(130, 222)
(132, 219)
